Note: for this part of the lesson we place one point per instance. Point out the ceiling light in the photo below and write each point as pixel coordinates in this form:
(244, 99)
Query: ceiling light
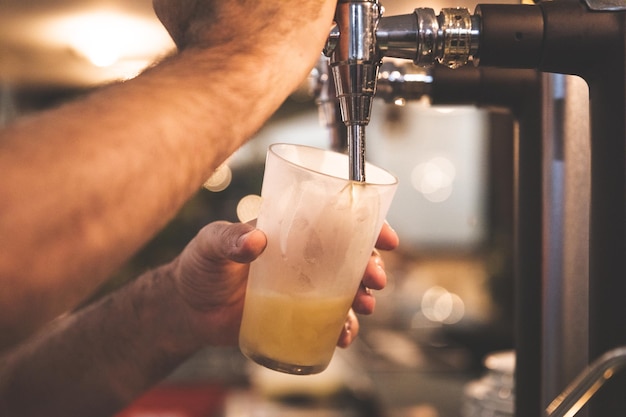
(107, 37)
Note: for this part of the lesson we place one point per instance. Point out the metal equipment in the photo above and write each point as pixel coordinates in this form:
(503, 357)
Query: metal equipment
(583, 38)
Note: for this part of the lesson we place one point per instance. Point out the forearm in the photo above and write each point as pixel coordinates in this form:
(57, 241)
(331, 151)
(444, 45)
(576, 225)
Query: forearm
(84, 186)
(96, 361)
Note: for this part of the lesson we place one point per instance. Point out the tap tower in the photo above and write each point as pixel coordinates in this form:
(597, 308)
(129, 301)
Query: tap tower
(586, 38)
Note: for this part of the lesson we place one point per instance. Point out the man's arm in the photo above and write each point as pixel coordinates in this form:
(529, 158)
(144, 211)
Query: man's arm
(85, 185)
(95, 361)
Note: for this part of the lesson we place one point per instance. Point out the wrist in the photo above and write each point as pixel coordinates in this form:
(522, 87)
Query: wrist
(163, 315)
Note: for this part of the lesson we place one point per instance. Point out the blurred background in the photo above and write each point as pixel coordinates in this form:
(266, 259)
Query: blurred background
(448, 303)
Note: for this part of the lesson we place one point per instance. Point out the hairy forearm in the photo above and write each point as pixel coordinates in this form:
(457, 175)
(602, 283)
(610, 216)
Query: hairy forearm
(86, 185)
(95, 361)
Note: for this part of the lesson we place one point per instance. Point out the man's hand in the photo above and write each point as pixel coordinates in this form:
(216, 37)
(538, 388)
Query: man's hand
(211, 275)
(374, 278)
(99, 358)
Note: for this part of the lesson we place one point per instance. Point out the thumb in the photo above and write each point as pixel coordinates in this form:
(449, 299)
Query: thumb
(237, 242)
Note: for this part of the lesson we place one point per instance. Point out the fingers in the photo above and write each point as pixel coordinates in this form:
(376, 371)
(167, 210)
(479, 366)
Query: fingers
(374, 278)
(388, 238)
(249, 246)
(350, 330)
(238, 242)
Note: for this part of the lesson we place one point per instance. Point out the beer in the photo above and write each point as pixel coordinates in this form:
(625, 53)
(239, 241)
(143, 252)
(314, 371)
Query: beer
(289, 333)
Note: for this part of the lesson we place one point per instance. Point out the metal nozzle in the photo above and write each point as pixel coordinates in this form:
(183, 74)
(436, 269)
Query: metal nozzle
(354, 61)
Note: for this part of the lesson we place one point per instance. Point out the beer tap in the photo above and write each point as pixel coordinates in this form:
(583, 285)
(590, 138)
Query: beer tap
(354, 61)
(362, 37)
(586, 38)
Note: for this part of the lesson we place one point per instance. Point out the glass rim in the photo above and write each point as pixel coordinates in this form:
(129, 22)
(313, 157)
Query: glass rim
(393, 180)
